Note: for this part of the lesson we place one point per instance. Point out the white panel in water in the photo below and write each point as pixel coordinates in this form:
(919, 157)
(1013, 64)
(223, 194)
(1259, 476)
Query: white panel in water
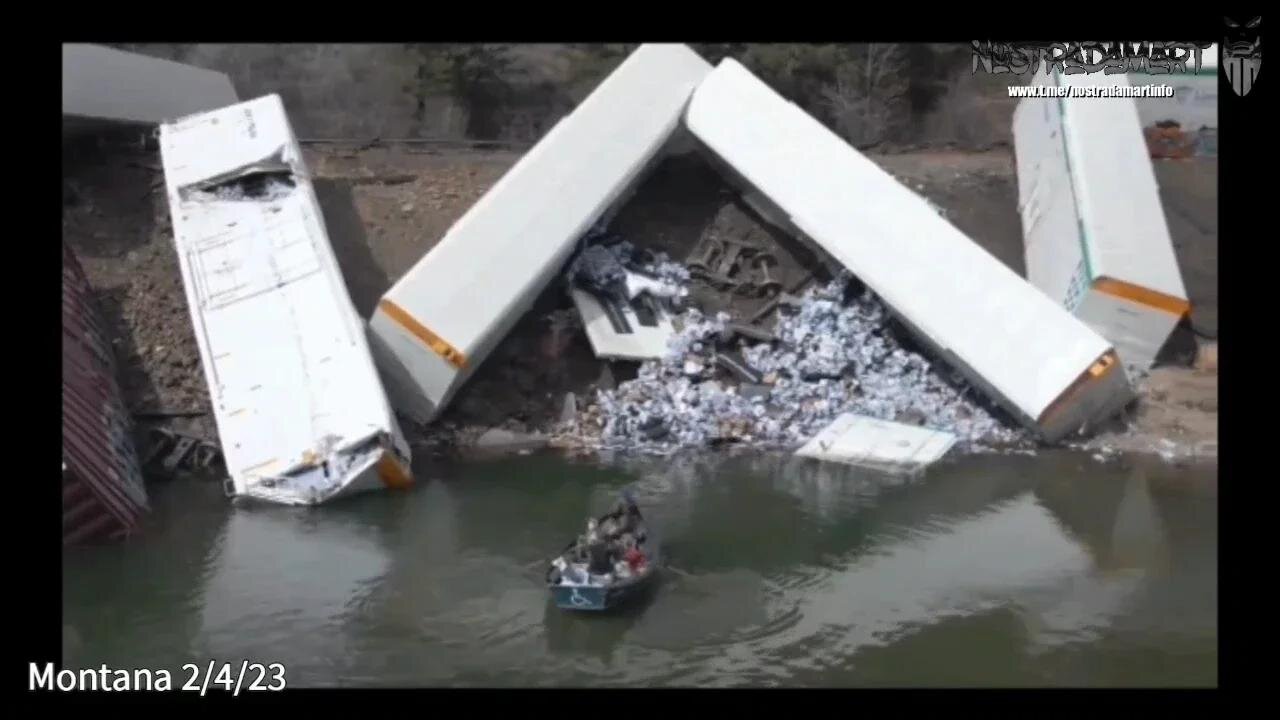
(860, 440)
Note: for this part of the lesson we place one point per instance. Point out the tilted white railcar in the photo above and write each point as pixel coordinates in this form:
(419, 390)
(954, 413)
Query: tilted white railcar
(1046, 367)
(1096, 238)
(102, 83)
(298, 402)
(437, 324)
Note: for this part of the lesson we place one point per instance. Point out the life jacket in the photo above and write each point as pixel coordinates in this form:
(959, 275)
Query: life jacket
(635, 559)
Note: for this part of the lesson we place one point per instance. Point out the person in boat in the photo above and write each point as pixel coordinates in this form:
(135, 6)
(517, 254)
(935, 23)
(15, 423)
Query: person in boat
(602, 553)
(593, 549)
(625, 520)
(633, 556)
(579, 554)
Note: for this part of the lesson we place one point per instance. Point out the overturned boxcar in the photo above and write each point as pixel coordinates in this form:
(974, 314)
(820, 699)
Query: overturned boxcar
(103, 496)
(301, 413)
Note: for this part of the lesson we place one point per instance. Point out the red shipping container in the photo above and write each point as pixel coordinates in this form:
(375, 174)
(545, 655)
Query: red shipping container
(103, 496)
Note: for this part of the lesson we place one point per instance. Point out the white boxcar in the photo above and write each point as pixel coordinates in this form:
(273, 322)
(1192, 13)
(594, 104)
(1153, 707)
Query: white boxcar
(297, 398)
(101, 83)
(446, 314)
(1096, 239)
(1044, 366)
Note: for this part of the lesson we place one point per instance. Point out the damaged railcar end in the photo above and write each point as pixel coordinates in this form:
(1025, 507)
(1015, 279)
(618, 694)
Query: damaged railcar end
(1097, 239)
(332, 472)
(299, 405)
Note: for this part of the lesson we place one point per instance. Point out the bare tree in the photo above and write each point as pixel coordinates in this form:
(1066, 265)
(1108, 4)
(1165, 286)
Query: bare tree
(868, 93)
(971, 113)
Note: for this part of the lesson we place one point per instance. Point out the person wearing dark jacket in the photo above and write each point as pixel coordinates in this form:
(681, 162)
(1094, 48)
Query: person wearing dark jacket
(601, 555)
(625, 519)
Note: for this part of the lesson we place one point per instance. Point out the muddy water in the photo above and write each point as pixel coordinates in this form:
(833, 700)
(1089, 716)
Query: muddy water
(989, 571)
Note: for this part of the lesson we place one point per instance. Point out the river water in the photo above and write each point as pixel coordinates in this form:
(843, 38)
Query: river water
(988, 571)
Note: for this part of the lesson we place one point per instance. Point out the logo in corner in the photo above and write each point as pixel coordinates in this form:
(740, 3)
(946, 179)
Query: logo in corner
(1242, 54)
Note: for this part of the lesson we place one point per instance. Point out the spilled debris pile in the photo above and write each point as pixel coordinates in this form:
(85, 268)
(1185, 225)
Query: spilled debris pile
(825, 358)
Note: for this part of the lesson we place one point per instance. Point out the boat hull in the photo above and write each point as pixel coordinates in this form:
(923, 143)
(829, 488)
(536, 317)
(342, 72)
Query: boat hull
(597, 599)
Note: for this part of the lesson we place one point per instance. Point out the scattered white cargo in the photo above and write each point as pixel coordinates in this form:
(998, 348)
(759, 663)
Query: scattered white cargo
(102, 83)
(1047, 368)
(1096, 238)
(880, 444)
(439, 322)
(300, 409)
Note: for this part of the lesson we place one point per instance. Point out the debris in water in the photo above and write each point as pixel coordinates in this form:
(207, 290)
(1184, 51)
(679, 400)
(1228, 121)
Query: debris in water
(890, 446)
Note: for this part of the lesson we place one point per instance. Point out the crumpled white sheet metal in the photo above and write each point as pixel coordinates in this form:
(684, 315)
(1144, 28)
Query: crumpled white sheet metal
(663, 280)
(638, 342)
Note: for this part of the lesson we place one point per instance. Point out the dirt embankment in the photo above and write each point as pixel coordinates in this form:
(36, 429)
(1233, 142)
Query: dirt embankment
(386, 206)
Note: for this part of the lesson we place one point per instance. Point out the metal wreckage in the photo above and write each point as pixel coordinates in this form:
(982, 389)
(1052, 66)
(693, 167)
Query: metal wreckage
(830, 352)
(982, 354)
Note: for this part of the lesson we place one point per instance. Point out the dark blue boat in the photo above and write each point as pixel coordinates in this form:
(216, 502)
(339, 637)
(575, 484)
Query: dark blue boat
(592, 597)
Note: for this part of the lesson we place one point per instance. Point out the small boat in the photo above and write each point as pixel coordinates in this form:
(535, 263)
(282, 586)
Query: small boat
(574, 588)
